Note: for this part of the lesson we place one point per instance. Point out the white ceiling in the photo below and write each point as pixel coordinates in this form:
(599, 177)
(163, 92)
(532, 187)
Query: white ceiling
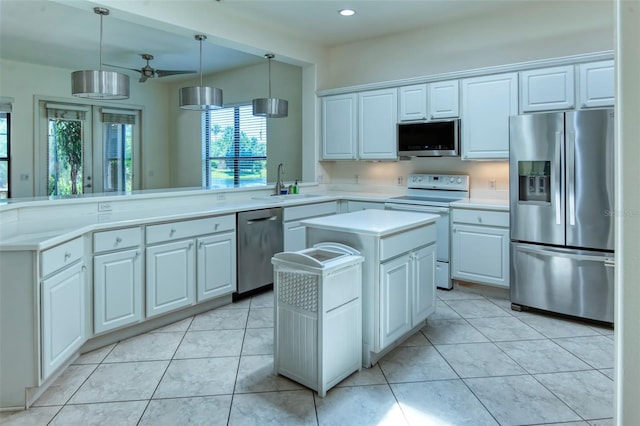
(67, 36)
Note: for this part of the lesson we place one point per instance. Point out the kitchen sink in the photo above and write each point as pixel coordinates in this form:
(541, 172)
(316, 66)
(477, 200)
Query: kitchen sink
(284, 197)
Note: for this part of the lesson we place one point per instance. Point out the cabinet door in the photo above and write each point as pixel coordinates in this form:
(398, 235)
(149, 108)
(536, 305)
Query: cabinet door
(294, 236)
(378, 117)
(596, 84)
(339, 127)
(487, 103)
(117, 290)
(413, 102)
(547, 89)
(216, 265)
(424, 286)
(170, 276)
(395, 300)
(444, 99)
(62, 304)
(480, 254)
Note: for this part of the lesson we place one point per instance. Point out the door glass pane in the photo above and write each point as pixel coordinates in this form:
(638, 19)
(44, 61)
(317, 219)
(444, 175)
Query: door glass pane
(4, 155)
(534, 179)
(4, 142)
(65, 146)
(4, 179)
(118, 141)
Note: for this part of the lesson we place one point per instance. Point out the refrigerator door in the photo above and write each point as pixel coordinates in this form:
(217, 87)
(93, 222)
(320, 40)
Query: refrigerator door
(536, 178)
(571, 282)
(589, 168)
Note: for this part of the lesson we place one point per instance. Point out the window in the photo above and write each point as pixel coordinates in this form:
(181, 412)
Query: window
(118, 147)
(234, 148)
(5, 138)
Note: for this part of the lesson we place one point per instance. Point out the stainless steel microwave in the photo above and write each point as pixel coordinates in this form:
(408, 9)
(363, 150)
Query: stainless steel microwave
(429, 138)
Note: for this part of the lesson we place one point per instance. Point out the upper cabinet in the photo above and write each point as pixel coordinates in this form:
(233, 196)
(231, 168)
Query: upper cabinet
(429, 101)
(443, 99)
(487, 103)
(547, 89)
(339, 127)
(377, 119)
(413, 102)
(596, 84)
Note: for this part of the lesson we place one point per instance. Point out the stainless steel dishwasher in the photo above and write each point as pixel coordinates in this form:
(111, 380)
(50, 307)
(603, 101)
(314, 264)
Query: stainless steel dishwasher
(259, 238)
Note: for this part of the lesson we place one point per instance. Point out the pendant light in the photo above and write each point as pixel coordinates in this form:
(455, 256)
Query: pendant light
(270, 107)
(200, 98)
(99, 84)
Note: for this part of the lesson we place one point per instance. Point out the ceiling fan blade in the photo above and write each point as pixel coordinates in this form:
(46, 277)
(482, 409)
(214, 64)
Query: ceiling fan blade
(143, 78)
(124, 68)
(164, 73)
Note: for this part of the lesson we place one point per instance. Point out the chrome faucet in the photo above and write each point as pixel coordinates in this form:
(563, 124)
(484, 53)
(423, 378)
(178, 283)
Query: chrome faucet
(279, 184)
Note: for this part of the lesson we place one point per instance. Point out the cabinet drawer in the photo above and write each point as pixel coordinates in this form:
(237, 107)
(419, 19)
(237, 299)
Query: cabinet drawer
(58, 257)
(116, 239)
(189, 228)
(406, 241)
(309, 210)
(480, 217)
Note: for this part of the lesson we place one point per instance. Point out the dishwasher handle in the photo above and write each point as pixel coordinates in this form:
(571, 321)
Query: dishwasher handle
(262, 219)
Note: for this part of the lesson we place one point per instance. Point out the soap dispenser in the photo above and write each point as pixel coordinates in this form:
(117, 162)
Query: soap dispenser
(295, 187)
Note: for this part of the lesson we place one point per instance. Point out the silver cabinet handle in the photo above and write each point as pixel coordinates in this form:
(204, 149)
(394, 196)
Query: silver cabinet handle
(138, 253)
(479, 219)
(172, 232)
(190, 246)
(571, 177)
(67, 255)
(551, 252)
(201, 244)
(556, 169)
(118, 240)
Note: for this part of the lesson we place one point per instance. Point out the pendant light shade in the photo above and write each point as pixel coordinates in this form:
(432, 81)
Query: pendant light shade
(99, 84)
(200, 98)
(270, 107)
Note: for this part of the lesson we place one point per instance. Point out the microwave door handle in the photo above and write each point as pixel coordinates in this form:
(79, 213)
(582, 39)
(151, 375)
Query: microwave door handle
(556, 171)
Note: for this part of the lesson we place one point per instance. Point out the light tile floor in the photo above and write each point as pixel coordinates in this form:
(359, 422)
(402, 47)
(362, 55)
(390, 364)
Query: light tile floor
(476, 362)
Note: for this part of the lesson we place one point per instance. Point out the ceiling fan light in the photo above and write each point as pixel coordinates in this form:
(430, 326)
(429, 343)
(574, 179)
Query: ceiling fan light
(200, 98)
(270, 107)
(95, 84)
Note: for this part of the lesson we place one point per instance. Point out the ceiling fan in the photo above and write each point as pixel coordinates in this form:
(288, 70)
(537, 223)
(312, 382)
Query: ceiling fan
(148, 72)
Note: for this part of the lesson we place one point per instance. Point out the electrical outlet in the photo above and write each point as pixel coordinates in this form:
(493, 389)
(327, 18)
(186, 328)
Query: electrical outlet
(492, 184)
(320, 178)
(357, 178)
(104, 207)
(400, 180)
(24, 176)
(221, 196)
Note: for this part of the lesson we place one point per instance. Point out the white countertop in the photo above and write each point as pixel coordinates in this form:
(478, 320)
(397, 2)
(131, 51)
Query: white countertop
(372, 222)
(482, 204)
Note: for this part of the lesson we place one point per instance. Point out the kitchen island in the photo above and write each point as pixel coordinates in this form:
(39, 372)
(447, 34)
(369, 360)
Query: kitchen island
(398, 273)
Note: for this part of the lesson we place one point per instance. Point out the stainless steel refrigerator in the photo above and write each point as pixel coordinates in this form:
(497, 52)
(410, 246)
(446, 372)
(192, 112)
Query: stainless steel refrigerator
(561, 207)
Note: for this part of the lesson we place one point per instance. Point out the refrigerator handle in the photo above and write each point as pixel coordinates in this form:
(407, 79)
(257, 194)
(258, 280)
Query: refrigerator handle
(549, 251)
(571, 176)
(556, 171)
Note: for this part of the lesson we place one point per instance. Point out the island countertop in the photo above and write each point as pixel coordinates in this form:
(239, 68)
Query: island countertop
(372, 222)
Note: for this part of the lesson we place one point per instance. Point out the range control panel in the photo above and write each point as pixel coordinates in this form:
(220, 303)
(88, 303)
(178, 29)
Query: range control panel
(429, 181)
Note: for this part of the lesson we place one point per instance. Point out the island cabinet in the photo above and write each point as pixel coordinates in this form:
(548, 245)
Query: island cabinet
(117, 278)
(480, 246)
(398, 273)
(62, 303)
(175, 273)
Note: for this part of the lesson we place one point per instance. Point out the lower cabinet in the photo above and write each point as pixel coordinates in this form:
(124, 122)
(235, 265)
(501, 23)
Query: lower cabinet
(407, 292)
(216, 265)
(480, 247)
(294, 232)
(170, 276)
(62, 304)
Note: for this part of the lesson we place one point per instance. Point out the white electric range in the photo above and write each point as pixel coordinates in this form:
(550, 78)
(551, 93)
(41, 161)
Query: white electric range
(434, 194)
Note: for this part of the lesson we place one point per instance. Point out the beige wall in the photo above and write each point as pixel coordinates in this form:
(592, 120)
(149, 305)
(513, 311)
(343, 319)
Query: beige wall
(26, 82)
(241, 86)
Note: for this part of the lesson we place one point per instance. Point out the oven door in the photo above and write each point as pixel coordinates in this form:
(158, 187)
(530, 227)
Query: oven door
(442, 237)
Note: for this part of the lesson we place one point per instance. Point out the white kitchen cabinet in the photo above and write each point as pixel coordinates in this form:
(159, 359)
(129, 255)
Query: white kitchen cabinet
(596, 86)
(63, 322)
(117, 279)
(216, 265)
(547, 89)
(294, 232)
(413, 102)
(480, 246)
(339, 127)
(353, 206)
(175, 273)
(444, 99)
(487, 103)
(377, 121)
(424, 289)
(395, 299)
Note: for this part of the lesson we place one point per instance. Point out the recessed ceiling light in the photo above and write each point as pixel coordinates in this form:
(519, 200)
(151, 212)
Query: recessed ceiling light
(347, 12)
